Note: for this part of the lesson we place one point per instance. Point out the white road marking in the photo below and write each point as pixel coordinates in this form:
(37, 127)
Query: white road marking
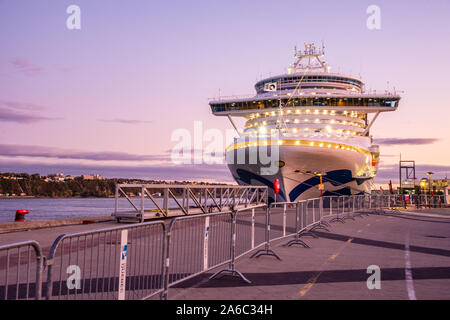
(408, 271)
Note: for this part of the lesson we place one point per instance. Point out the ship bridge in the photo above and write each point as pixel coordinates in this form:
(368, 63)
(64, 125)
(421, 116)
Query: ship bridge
(307, 97)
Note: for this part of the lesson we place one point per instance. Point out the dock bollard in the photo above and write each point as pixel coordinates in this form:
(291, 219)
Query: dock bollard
(20, 215)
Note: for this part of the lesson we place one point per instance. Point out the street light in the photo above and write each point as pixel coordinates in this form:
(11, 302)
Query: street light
(321, 187)
(429, 173)
(423, 184)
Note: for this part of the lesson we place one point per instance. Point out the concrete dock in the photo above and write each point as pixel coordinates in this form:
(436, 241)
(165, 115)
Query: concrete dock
(411, 248)
(412, 251)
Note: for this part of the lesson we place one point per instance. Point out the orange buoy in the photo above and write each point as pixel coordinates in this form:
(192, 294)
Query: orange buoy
(20, 215)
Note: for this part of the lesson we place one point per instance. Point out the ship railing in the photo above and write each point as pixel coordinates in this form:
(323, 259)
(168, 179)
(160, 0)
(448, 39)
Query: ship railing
(232, 97)
(318, 92)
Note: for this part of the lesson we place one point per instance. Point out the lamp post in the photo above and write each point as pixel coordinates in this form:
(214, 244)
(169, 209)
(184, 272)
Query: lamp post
(321, 187)
(429, 173)
(423, 184)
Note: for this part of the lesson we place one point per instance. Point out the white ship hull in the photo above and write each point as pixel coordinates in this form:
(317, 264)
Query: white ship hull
(341, 173)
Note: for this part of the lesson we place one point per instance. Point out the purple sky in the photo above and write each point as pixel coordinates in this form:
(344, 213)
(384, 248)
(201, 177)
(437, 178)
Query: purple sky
(107, 98)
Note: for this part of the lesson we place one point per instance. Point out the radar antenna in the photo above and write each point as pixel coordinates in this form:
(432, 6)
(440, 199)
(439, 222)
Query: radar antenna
(309, 59)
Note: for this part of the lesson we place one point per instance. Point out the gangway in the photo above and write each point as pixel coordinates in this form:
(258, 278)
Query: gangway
(150, 201)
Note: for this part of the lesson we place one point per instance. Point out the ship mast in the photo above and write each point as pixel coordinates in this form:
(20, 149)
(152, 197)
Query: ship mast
(309, 59)
(306, 60)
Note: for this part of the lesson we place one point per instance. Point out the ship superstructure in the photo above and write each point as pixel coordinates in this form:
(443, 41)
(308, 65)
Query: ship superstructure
(322, 121)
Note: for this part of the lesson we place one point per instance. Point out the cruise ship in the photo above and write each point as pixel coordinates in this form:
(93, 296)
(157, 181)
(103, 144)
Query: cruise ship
(316, 125)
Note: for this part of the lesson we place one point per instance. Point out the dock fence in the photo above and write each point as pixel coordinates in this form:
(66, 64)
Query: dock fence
(110, 263)
(21, 268)
(144, 260)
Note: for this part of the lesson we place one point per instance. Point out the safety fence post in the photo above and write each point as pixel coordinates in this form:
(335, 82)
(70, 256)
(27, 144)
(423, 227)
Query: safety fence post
(231, 271)
(298, 224)
(266, 251)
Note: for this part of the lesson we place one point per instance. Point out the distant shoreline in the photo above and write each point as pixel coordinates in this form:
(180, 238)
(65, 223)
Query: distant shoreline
(78, 197)
(42, 197)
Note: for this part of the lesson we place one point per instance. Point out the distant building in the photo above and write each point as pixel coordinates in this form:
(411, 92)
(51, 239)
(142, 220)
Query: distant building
(440, 183)
(92, 177)
(436, 184)
(58, 177)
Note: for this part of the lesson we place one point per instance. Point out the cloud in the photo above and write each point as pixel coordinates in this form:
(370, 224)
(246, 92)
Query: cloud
(13, 111)
(163, 172)
(8, 115)
(56, 156)
(26, 68)
(21, 105)
(402, 141)
(60, 153)
(125, 121)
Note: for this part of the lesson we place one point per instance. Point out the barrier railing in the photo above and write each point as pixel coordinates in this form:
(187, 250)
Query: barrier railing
(142, 260)
(196, 244)
(21, 267)
(427, 201)
(112, 263)
(241, 244)
(380, 202)
(149, 201)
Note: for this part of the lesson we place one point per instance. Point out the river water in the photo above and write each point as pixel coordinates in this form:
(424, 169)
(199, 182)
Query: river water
(63, 208)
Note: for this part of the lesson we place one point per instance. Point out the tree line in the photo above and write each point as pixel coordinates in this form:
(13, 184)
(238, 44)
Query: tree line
(35, 185)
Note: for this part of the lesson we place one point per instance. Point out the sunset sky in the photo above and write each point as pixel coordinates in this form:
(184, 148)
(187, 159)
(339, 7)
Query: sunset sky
(106, 98)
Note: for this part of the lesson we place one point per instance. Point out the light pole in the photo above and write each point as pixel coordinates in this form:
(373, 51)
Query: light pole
(423, 183)
(321, 187)
(429, 173)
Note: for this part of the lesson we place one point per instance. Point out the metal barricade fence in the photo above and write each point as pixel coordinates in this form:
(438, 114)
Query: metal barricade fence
(349, 207)
(384, 201)
(283, 220)
(317, 208)
(300, 224)
(436, 201)
(367, 202)
(374, 202)
(328, 207)
(345, 206)
(250, 229)
(21, 267)
(312, 212)
(140, 261)
(111, 263)
(363, 203)
(338, 209)
(196, 244)
(356, 204)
